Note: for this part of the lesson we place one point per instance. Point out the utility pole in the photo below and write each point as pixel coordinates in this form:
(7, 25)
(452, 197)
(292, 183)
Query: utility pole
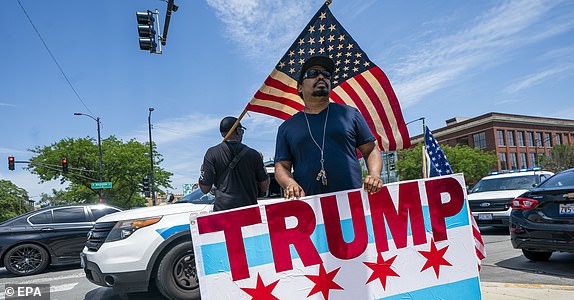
(153, 199)
(100, 191)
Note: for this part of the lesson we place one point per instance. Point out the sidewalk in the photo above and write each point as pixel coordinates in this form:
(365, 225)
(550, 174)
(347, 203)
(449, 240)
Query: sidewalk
(513, 291)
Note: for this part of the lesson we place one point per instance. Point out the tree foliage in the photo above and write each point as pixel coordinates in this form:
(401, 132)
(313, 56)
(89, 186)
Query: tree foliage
(561, 158)
(473, 163)
(124, 164)
(13, 200)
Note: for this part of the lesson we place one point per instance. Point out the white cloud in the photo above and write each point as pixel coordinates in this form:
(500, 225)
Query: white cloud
(487, 40)
(263, 29)
(7, 104)
(536, 79)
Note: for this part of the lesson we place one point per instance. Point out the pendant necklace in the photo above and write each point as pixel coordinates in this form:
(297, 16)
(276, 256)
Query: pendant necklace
(322, 175)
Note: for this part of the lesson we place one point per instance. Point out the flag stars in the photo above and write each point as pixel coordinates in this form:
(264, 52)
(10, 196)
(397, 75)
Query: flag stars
(321, 50)
(435, 258)
(337, 71)
(301, 61)
(347, 61)
(341, 37)
(301, 51)
(282, 64)
(345, 75)
(345, 68)
(340, 46)
(262, 291)
(350, 46)
(311, 40)
(331, 56)
(330, 48)
(301, 42)
(358, 55)
(331, 38)
(348, 54)
(338, 62)
(323, 15)
(311, 29)
(381, 270)
(311, 51)
(339, 54)
(332, 27)
(291, 70)
(355, 69)
(324, 282)
(321, 27)
(291, 53)
(321, 39)
(357, 62)
(291, 62)
(366, 64)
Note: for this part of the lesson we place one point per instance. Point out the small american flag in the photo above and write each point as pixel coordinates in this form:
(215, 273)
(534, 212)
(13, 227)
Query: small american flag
(438, 165)
(357, 81)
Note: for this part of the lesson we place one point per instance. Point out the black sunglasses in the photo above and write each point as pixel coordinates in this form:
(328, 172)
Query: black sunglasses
(314, 73)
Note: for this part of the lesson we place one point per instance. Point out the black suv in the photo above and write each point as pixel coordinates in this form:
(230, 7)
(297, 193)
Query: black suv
(48, 236)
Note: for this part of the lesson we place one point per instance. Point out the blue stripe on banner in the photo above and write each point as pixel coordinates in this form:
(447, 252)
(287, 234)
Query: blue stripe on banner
(468, 289)
(167, 232)
(258, 248)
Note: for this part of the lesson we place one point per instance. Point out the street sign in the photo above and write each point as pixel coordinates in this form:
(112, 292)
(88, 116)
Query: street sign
(101, 185)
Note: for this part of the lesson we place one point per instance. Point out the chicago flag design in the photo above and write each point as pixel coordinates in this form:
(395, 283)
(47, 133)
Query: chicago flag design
(411, 240)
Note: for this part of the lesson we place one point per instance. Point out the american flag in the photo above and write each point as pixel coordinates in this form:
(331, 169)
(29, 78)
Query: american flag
(357, 81)
(438, 165)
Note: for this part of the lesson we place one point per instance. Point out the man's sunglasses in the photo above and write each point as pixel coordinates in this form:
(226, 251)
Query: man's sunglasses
(314, 73)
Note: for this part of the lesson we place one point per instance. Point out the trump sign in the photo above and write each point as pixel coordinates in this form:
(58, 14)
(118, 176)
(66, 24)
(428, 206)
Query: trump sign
(411, 240)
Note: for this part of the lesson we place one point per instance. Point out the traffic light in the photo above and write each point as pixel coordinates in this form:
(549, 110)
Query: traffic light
(146, 31)
(11, 163)
(64, 166)
(146, 186)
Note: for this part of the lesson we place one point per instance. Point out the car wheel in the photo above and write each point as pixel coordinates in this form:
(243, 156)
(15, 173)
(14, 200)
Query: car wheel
(176, 276)
(26, 259)
(537, 255)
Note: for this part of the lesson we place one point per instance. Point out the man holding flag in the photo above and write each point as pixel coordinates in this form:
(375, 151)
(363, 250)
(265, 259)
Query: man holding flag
(319, 142)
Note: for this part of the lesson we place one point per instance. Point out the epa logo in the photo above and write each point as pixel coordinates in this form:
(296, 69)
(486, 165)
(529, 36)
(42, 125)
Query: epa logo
(30, 291)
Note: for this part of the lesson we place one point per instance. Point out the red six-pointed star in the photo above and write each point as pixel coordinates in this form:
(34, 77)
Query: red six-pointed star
(382, 269)
(324, 282)
(261, 292)
(435, 258)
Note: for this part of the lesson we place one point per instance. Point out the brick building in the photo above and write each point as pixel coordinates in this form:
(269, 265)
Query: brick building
(516, 139)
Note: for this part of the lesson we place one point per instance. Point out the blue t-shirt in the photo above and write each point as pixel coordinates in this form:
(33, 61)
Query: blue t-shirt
(346, 131)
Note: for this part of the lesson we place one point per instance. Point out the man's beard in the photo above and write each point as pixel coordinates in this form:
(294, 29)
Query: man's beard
(323, 92)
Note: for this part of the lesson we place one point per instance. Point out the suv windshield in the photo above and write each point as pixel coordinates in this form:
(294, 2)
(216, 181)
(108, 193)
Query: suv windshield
(197, 197)
(505, 183)
(559, 180)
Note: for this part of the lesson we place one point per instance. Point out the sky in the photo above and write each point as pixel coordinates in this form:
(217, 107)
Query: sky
(444, 59)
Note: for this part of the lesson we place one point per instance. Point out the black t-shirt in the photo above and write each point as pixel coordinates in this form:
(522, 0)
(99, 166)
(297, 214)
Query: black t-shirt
(240, 186)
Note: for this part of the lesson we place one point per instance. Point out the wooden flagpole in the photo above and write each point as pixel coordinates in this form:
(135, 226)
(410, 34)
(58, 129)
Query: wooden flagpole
(424, 154)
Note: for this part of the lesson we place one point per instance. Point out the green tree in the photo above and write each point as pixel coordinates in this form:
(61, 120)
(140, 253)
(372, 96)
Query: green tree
(473, 163)
(561, 158)
(124, 164)
(13, 200)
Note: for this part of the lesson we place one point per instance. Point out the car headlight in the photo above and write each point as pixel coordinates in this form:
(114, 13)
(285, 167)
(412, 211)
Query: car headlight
(124, 229)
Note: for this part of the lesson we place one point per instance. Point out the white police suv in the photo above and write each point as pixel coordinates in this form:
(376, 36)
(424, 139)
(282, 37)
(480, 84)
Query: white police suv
(490, 198)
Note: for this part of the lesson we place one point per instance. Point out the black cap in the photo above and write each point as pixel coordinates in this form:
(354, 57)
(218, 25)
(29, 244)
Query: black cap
(322, 61)
(227, 123)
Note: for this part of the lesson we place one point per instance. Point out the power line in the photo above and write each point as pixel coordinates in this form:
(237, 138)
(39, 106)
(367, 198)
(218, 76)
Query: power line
(53, 58)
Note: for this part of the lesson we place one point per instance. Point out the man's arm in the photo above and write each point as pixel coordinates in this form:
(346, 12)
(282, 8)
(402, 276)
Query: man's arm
(205, 188)
(264, 185)
(291, 188)
(374, 161)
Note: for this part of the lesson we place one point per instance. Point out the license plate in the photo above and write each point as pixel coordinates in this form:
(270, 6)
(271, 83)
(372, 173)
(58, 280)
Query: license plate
(82, 260)
(567, 209)
(486, 217)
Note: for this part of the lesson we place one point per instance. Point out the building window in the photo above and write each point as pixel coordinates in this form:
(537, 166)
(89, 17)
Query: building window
(532, 160)
(539, 139)
(520, 137)
(548, 139)
(513, 163)
(462, 141)
(530, 138)
(510, 135)
(523, 163)
(500, 138)
(479, 140)
(503, 164)
(558, 139)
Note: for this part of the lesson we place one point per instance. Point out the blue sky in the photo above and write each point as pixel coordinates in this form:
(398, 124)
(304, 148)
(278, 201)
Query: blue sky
(444, 59)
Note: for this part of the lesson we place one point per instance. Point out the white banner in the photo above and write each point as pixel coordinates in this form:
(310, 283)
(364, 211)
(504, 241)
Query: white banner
(411, 240)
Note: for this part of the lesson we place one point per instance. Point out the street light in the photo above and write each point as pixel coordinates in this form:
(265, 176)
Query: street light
(153, 200)
(99, 146)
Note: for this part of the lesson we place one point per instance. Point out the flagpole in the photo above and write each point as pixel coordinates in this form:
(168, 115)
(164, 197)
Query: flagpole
(423, 150)
(328, 2)
(235, 125)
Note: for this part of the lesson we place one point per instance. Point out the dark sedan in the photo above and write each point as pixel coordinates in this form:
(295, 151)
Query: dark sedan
(49, 236)
(542, 219)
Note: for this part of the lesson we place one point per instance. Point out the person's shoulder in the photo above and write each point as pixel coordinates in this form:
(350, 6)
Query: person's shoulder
(343, 107)
(291, 119)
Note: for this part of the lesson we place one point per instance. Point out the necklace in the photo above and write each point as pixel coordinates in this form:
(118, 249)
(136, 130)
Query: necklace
(322, 175)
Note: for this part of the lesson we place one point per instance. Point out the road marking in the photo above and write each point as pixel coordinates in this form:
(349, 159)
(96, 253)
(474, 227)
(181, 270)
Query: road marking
(49, 279)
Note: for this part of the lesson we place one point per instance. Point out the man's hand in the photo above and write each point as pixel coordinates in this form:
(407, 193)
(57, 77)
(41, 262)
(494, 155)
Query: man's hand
(293, 191)
(372, 184)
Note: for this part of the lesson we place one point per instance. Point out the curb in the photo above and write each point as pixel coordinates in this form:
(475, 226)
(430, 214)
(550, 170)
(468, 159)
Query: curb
(511, 291)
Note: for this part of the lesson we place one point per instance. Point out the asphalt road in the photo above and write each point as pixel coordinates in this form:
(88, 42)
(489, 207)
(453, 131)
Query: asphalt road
(502, 265)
